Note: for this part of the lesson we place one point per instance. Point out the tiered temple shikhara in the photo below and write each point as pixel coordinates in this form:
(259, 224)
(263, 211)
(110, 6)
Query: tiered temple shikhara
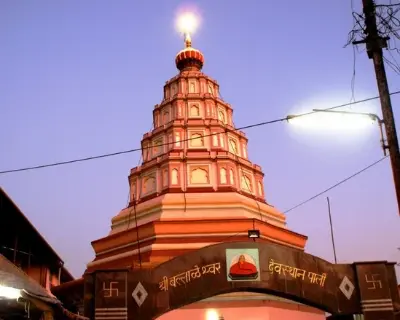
(196, 185)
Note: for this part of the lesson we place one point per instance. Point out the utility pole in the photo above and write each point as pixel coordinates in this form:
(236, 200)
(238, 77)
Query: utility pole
(375, 43)
(330, 223)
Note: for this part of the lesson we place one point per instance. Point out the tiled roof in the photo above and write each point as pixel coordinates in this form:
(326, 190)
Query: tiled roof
(12, 276)
(17, 211)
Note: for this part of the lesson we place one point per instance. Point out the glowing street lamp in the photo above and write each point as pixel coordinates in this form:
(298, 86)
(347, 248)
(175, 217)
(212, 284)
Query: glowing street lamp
(372, 116)
(341, 120)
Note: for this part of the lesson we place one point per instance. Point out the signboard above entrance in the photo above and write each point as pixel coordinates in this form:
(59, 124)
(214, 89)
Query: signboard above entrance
(245, 266)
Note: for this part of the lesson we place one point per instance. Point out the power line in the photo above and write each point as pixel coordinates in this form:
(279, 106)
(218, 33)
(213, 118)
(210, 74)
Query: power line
(353, 77)
(107, 155)
(335, 185)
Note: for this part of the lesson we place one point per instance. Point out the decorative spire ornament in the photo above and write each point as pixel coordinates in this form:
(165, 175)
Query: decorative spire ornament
(188, 59)
(188, 40)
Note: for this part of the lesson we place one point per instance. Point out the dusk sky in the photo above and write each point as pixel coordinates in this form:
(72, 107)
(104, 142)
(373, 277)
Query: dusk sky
(81, 78)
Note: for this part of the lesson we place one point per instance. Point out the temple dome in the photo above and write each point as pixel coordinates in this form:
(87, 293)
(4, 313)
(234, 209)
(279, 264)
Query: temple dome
(189, 58)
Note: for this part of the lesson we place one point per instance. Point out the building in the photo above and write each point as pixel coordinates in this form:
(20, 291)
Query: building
(22, 297)
(26, 248)
(195, 187)
(398, 313)
(29, 267)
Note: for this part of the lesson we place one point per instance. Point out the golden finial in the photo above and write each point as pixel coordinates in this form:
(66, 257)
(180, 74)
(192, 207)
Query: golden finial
(188, 40)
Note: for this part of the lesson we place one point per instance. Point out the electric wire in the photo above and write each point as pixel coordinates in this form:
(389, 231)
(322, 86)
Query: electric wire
(353, 76)
(135, 213)
(395, 62)
(335, 185)
(225, 238)
(392, 65)
(387, 23)
(185, 183)
(113, 154)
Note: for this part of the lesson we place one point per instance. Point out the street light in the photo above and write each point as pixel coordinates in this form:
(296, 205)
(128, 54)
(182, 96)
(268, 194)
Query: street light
(372, 116)
(392, 147)
(355, 119)
(253, 233)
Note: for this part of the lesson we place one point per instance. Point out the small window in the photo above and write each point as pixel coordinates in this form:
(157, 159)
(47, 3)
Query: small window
(157, 147)
(199, 175)
(174, 176)
(166, 117)
(210, 89)
(233, 146)
(177, 139)
(260, 188)
(221, 116)
(196, 140)
(231, 177)
(245, 183)
(223, 176)
(195, 111)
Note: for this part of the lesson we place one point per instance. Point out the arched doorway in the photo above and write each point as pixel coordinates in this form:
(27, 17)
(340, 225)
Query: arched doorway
(245, 305)
(342, 290)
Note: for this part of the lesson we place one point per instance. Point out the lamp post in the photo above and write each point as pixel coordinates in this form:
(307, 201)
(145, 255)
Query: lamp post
(393, 150)
(372, 116)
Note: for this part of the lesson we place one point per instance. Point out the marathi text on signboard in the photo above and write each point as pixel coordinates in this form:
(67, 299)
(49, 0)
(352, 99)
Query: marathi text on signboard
(189, 275)
(275, 267)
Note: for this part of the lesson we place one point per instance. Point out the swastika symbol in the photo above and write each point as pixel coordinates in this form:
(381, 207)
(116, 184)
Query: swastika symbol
(373, 282)
(111, 290)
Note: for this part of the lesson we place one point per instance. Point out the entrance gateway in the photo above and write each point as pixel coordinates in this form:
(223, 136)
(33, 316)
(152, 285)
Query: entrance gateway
(368, 288)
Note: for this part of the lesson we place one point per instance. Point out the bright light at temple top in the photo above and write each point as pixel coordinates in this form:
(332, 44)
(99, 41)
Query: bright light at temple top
(187, 23)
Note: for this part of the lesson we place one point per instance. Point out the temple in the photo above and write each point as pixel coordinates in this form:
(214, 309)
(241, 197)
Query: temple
(196, 186)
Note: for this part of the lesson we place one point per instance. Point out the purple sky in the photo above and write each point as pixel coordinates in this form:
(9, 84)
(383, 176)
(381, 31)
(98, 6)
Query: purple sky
(80, 78)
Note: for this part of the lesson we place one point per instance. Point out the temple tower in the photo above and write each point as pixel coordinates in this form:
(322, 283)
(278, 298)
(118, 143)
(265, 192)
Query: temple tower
(196, 185)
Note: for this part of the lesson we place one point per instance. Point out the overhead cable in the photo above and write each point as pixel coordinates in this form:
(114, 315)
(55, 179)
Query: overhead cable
(113, 154)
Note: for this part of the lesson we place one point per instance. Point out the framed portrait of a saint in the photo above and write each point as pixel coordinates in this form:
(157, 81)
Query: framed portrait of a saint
(243, 264)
